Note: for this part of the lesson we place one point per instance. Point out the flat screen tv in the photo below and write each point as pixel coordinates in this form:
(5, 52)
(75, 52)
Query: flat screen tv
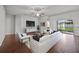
(30, 23)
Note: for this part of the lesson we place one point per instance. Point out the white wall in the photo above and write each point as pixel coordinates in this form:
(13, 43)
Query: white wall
(20, 25)
(10, 24)
(43, 19)
(2, 24)
(30, 18)
(70, 15)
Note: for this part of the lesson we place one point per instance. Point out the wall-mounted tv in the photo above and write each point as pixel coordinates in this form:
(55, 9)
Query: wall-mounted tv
(30, 23)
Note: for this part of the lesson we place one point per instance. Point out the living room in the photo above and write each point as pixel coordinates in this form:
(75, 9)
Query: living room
(41, 23)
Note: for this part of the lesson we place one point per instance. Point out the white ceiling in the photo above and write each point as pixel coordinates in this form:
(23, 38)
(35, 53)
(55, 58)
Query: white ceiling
(44, 9)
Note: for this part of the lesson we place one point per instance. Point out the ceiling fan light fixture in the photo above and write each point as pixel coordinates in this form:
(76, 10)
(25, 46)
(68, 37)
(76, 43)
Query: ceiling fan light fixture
(37, 14)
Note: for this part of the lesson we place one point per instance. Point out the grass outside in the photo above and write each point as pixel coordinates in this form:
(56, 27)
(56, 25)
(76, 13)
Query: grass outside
(67, 29)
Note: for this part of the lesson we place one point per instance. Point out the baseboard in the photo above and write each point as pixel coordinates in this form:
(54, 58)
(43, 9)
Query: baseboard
(9, 34)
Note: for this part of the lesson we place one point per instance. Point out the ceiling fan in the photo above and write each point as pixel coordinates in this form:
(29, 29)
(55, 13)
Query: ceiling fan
(38, 11)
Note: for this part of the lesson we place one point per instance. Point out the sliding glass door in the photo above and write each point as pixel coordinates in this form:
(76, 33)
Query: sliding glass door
(65, 25)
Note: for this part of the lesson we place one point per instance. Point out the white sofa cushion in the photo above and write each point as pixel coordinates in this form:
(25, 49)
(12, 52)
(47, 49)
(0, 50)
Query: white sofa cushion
(44, 38)
(22, 35)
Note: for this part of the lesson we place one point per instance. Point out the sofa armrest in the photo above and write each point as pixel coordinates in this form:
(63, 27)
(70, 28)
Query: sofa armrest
(35, 45)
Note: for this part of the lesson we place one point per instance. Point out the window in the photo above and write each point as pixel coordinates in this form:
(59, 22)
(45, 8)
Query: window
(65, 25)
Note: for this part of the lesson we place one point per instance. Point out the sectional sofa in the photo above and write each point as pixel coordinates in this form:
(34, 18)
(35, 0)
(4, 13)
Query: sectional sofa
(45, 43)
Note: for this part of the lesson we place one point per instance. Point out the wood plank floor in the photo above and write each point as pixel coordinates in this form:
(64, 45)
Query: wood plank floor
(11, 44)
(69, 44)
